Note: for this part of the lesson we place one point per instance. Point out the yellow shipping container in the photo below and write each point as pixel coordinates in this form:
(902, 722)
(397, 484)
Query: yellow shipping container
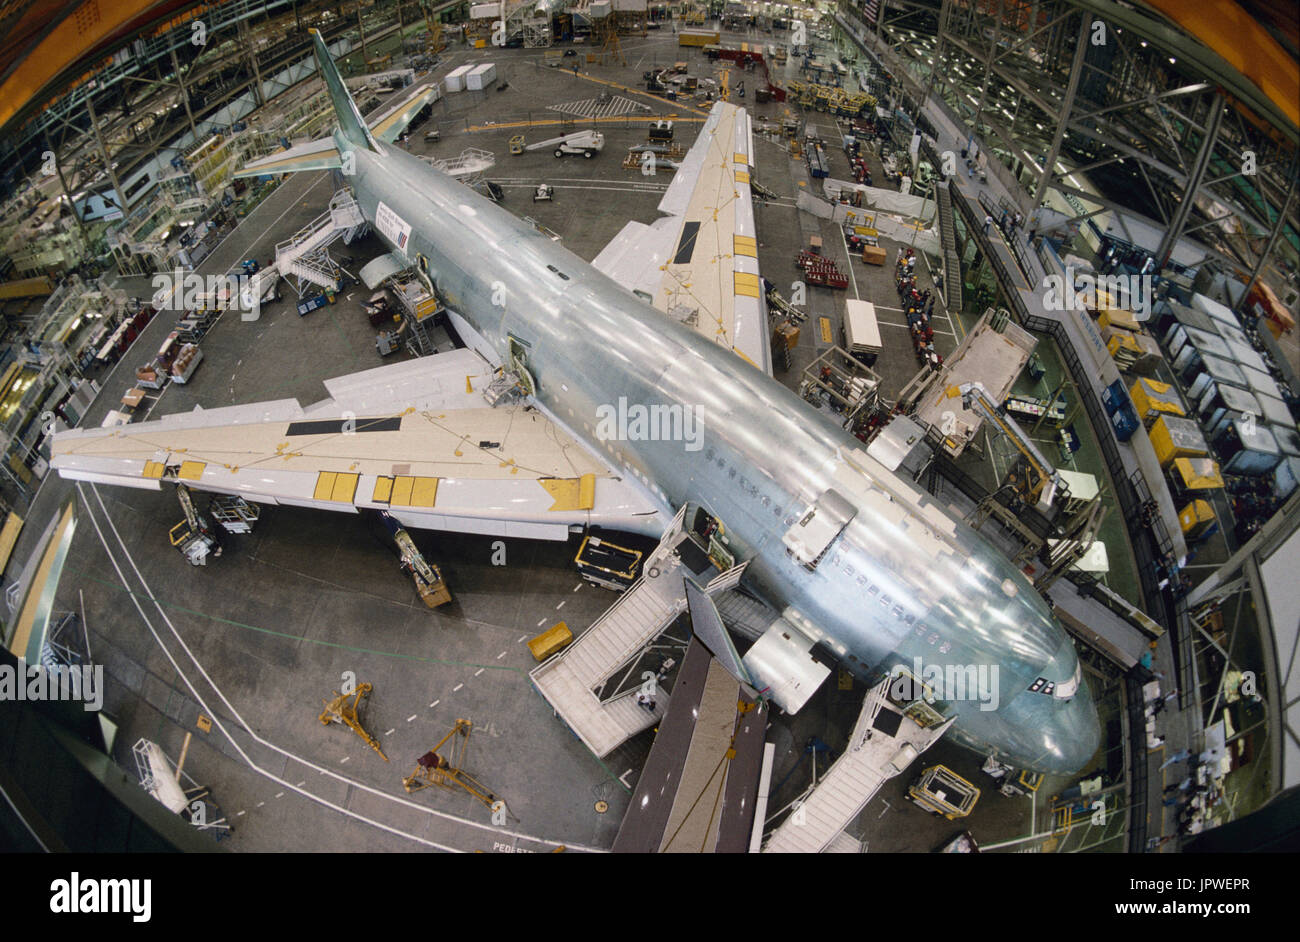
(1197, 474)
(1152, 399)
(1196, 518)
(1117, 317)
(550, 641)
(1174, 438)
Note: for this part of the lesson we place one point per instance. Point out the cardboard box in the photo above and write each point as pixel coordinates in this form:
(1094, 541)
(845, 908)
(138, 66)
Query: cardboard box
(873, 255)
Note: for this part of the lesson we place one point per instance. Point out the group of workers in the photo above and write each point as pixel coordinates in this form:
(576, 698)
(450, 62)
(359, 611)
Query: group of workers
(858, 160)
(918, 306)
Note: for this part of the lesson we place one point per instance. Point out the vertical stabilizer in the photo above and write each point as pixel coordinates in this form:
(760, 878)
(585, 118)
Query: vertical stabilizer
(350, 122)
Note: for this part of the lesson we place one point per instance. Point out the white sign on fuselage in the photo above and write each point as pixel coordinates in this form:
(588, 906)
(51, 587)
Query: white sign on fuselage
(394, 227)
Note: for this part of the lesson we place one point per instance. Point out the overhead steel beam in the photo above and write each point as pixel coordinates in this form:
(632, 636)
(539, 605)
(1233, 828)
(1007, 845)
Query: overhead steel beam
(1193, 187)
(1071, 87)
(1204, 55)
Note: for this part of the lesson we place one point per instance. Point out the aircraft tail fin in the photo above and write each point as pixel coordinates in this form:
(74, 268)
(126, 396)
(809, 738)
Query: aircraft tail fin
(351, 125)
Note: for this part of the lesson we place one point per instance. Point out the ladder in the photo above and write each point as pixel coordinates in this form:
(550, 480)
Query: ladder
(305, 254)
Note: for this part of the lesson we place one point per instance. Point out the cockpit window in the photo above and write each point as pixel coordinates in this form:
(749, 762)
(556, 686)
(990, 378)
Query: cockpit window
(1060, 689)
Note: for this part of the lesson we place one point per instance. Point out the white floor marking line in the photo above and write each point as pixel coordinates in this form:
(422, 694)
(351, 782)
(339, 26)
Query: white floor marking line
(561, 605)
(389, 733)
(522, 637)
(577, 587)
(539, 624)
(937, 330)
(301, 784)
(457, 687)
(501, 655)
(135, 600)
(253, 735)
(411, 717)
(849, 255)
(279, 794)
(345, 759)
(623, 778)
(479, 671)
(260, 803)
(434, 704)
(238, 813)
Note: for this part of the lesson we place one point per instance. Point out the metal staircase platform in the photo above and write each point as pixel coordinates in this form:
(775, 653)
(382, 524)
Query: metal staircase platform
(948, 240)
(872, 757)
(569, 680)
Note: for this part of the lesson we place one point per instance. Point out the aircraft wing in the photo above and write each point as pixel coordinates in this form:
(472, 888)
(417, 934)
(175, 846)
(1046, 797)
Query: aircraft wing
(389, 125)
(699, 262)
(316, 155)
(416, 439)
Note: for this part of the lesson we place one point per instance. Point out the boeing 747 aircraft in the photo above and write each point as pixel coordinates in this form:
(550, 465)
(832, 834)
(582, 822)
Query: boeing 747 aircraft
(852, 556)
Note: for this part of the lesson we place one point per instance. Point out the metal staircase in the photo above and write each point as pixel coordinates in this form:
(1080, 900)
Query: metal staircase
(305, 255)
(872, 757)
(569, 680)
(948, 239)
(471, 162)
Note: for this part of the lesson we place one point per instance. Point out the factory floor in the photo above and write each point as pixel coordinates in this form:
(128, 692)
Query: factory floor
(254, 641)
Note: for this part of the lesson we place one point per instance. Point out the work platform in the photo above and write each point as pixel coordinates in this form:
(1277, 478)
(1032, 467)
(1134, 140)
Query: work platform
(987, 356)
(570, 681)
(884, 742)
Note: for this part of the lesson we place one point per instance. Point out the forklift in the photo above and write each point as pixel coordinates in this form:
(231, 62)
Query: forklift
(194, 537)
(426, 576)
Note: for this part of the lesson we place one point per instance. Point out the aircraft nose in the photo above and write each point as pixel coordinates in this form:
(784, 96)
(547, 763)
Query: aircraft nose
(1071, 741)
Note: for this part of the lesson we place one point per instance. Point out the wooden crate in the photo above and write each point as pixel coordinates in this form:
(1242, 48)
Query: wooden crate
(788, 334)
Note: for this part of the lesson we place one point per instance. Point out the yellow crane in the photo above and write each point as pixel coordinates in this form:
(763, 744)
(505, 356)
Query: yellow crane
(448, 772)
(339, 710)
(1042, 489)
(436, 44)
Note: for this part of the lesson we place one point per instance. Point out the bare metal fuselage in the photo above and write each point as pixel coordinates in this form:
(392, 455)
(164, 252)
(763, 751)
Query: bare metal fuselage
(877, 596)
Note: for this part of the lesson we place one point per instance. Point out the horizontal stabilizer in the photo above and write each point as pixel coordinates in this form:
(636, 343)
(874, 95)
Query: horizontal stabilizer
(389, 125)
(317, 155)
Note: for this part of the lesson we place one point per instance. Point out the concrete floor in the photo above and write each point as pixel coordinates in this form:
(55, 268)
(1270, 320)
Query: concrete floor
(259, 637)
